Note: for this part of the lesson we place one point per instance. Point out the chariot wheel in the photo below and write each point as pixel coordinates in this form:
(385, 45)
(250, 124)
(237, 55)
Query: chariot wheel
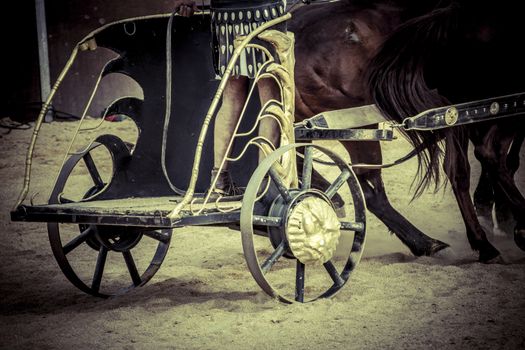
(101, 260)
(306, 251)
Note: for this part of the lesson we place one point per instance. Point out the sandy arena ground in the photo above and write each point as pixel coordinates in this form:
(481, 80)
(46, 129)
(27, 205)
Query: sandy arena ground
(203, 296)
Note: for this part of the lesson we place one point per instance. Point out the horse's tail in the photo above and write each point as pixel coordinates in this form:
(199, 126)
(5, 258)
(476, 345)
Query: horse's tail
(396, 77)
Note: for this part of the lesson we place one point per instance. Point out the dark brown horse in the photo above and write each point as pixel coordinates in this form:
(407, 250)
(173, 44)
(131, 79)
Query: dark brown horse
(466, 51)
(332, 58)
(409, 51)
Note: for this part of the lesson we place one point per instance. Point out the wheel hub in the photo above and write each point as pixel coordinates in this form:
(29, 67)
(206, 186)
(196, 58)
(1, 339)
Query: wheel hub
(119, 239)
(312, 229)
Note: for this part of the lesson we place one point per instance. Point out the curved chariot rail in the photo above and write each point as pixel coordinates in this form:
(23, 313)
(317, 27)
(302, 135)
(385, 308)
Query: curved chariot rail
(87, 43)
(240, 45)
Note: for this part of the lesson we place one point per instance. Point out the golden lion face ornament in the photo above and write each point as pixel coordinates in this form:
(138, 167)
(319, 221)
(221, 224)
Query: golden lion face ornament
(313, 230)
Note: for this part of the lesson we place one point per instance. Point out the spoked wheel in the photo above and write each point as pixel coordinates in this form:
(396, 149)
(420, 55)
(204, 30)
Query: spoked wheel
(101, 260)
(306, 251)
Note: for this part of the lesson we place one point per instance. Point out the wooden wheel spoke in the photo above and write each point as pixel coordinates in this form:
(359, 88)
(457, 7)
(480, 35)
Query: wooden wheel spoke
(307, 168)
(269, 217)
(158, 236)
(272, 259)
(93, 171)
(132, 268)
(99, 269)
(273, 221)
(340, 181)
(352, 226)
(299, 282)
(332, 271)
(280, 185)
(78, 240)
(349, 267)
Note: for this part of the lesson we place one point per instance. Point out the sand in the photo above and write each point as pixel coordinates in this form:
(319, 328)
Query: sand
(203, 296)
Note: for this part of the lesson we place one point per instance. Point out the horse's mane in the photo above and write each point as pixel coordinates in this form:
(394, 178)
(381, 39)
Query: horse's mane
(396, 77)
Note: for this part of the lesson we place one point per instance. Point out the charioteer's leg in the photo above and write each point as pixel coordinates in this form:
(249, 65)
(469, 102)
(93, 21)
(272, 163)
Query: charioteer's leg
(268, 127)
(233, 99)
(231, 19)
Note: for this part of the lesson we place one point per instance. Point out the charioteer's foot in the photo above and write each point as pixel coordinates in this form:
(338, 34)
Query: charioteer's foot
(225, 185)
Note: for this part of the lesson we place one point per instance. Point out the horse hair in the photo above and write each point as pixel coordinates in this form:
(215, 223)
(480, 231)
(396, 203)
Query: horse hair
(396, 77)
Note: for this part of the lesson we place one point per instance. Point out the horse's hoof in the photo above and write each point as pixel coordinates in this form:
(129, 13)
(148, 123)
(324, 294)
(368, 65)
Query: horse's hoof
(519, 238)
(447, 254)
(496, 260)
(436, 247)
(489, 255)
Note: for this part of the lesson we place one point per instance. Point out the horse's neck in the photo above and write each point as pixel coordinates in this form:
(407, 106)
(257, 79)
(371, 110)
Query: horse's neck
(334, 44)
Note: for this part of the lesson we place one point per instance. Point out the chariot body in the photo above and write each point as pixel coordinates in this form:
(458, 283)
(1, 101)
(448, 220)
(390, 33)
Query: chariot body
(301, 240)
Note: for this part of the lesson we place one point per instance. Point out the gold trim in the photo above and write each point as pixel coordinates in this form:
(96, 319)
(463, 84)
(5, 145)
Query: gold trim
(175, 213)
(29, 157)
(284, 73)
(494, 108)
(451, 116)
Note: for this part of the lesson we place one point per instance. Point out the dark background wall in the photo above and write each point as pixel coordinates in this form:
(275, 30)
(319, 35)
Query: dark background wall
(19, 69)
(67, 23)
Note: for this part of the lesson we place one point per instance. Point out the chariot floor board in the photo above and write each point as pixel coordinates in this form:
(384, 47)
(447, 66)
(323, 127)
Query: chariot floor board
(146, 211)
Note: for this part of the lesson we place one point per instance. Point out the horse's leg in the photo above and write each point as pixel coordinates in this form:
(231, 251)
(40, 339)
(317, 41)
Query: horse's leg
(377, 201)
(459, 176)
(484, 199)
(493, 151)
(504, 216)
